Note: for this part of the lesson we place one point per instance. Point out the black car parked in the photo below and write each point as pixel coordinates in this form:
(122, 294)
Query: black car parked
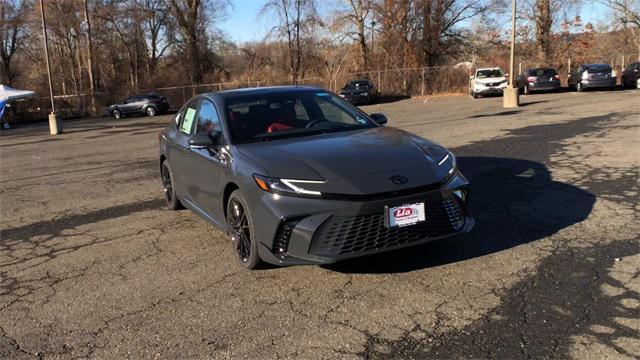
(359, 92)
(295, 175)
(592, 76)
(538, 79)
(631, 76)
(150, 105)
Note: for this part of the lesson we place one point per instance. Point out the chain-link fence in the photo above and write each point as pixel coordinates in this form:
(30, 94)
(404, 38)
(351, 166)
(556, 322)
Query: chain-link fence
(390, 83)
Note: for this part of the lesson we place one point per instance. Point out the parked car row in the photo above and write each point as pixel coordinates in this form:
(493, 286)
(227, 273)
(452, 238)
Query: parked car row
(493, 81)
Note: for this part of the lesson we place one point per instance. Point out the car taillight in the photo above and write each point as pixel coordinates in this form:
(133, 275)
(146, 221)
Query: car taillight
(532, 79)
(557, 77)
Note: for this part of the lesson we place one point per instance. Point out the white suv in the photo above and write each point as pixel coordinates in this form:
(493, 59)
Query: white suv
(487, 81)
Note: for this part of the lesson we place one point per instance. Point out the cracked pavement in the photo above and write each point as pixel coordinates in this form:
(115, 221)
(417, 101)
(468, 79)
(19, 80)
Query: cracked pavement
(92, 265)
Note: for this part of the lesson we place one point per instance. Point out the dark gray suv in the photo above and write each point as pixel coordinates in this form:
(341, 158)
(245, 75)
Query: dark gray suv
(150, 105)
(296, 175)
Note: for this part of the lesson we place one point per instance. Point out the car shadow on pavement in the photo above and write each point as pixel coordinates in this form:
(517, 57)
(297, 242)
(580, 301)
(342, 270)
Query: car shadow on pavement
(513, 201)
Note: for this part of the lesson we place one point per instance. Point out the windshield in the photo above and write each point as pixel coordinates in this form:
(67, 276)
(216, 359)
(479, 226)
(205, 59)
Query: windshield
(482, 74)
(270, 116)
(352, 85)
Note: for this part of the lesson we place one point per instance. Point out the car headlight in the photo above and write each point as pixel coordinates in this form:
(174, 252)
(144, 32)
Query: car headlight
(613, 73)
(286, 186)
(365, 94)
(585, 75)
(478, 84)
(442, 157)
(449, 158)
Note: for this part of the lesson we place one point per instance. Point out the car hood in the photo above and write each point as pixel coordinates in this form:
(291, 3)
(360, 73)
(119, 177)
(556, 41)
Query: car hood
(354, 162)
(491, 80)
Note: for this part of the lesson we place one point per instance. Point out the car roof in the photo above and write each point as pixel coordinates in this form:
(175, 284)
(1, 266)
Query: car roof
(596, 65)
(265, 90)
(488, 68)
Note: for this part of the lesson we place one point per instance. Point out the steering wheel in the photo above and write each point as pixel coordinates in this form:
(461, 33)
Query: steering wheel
(313, 123)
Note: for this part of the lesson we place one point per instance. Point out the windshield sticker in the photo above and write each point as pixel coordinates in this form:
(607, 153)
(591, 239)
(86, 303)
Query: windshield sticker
(188, 120)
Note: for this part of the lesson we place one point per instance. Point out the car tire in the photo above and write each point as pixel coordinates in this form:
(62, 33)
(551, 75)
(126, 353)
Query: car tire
(151, 111)
(638, 84)
(526, 90)
(579, 87)
(240, 229)
(168, 187)
(116, 114)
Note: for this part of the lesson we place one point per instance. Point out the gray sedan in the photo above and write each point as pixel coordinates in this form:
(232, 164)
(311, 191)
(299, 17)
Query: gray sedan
(296, 175)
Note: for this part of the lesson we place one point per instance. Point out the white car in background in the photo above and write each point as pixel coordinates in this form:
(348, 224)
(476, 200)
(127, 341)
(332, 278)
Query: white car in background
(487, 81)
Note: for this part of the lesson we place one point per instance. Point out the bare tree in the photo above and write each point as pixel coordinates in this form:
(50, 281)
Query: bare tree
(294, 16)
(627, 15)
(440, 19)
(13, 31)
(158, 26)
(354, 19)
(544, 21)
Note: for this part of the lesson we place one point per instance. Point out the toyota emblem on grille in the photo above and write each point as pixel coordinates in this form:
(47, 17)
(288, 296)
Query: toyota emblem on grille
(399, 179)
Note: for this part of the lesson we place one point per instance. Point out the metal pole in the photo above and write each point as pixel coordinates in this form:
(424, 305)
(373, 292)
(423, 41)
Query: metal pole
(510, 97)
(373, 30)
(55, 126)
(513, 41)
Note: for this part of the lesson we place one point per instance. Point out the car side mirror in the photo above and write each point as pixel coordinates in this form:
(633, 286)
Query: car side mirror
(203, 140)
(379, 118)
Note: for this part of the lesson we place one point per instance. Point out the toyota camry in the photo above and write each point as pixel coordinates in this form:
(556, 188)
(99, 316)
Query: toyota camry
(296, 175)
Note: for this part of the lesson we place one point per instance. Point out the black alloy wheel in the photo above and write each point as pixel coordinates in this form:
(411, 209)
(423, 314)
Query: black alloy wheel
(167, 186)
(239, 227)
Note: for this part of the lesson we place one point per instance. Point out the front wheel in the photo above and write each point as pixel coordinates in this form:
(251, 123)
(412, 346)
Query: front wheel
(116, 114)
(579, 87)
(240, 227)
(151, 111)
(526, 90)
(166, 175)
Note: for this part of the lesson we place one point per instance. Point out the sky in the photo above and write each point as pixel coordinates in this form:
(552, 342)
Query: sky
(244, 23)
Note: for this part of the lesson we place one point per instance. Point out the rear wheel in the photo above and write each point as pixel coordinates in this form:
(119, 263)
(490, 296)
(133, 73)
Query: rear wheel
(116, 114)
(151, 111)
(168, 187)
(240, 227)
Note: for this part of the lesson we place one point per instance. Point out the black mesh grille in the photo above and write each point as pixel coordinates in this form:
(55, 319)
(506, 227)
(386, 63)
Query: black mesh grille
(283, 234)
(344, 235)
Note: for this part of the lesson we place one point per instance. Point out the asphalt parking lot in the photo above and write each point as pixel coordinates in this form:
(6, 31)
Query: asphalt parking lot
(93, 266)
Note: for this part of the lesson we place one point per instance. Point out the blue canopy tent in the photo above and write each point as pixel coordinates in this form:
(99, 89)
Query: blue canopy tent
(9, 94)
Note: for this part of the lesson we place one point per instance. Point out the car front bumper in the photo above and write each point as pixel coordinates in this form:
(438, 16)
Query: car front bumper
(294, 230)
(494, 90)
(356, 99)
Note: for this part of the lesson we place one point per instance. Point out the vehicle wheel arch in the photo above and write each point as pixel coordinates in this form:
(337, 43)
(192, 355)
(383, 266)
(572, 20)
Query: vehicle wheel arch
(228, 190)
